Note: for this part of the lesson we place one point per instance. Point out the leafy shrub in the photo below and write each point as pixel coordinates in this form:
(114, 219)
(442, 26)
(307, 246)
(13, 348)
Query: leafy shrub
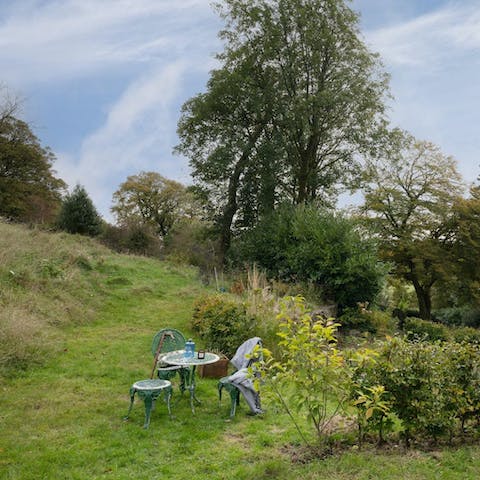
(463, 365)
(305, 243)
(450, 316)
(311, 375)
(418, 329)
(137, 239)
(223, 323)
(357, 319)
(373, 411)
(383, 321)
(430, 387)
(459, 316)
(466, 334)
(471, 318)
(193, 242)
(419, 383)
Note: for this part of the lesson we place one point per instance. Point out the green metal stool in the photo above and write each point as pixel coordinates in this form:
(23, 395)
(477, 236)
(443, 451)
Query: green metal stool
(149, 391)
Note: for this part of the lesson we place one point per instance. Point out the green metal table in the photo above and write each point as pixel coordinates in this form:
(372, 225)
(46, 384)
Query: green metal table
(178, 358)
(149, 391)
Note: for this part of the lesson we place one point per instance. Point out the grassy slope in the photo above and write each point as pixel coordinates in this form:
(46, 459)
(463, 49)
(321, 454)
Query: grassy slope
(63, 419)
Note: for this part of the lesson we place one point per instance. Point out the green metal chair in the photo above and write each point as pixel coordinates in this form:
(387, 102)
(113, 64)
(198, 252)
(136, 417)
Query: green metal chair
(240, 382)
(164, 341)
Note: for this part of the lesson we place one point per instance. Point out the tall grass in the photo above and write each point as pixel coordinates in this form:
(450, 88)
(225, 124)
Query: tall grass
(46, 281)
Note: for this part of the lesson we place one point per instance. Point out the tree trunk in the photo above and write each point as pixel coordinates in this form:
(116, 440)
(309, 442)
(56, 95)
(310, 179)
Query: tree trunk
(232, 206)
(308, 165)
(424, 299)
(304, 174)
(302, 183)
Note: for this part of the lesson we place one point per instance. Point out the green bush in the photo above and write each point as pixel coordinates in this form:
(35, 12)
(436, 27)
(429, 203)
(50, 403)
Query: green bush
(357, 319)
(312, 365)
(433, 388)
(459, 316)
(137, 239)
(193, 242)
(308, 244)
(222, 323)
(471, 318)
(418, 329)
(419, 386)
(466, 334)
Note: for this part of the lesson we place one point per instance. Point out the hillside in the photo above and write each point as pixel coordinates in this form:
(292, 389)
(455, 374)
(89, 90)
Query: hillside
(49, 281)
(76, 325)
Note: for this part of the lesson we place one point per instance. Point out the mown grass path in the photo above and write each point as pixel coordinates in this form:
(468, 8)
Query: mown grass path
(64, 420)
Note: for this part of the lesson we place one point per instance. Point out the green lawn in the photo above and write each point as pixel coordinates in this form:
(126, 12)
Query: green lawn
(64, 419)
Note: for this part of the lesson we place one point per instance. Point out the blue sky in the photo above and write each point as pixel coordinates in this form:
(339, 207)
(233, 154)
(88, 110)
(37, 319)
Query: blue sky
(103, 81)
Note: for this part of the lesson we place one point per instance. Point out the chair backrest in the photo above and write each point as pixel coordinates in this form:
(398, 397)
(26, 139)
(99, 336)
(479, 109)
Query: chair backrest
(172, 340)
(240, 359)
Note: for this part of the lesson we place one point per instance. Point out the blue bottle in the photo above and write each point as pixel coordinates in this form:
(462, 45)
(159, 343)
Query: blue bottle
(189, 348)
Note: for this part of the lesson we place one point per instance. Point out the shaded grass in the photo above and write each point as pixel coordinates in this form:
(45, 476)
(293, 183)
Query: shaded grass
(64, 419)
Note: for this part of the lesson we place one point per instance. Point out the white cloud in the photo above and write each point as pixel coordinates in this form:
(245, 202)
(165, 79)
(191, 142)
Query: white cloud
(45, 41)
(434, 63)
(430, 38)
(159, 43)
(134, 136)
(165, 46)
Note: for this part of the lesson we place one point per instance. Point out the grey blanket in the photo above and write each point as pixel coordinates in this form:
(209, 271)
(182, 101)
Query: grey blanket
(241, 378)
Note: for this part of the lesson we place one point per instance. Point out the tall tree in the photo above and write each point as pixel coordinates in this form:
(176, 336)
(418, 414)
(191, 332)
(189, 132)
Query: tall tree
(78, 214)
(29, 189)
(297, 97)
(467, 246)
(409, 204)
(152, 200)
(220, 133)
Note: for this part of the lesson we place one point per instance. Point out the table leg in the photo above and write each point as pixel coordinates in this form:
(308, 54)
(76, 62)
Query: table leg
(183, 374)
(168, 396)
(190, 386)
(194, 385)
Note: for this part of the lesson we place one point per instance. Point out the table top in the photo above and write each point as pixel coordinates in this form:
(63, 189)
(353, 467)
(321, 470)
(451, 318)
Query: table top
(177, 358)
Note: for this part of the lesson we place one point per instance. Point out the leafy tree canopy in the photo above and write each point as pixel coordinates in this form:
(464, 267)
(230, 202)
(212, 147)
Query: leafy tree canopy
(151, 199)
(29, 189)
(409, 204)
(467, 247)
(297, 97)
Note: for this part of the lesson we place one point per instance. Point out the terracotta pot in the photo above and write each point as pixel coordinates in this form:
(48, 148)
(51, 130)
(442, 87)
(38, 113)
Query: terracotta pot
(218, 369)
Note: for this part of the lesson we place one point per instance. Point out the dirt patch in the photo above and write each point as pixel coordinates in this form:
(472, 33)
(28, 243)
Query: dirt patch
(234, 439)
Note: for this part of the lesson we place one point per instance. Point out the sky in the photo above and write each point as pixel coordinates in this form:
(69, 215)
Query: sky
(103, 81)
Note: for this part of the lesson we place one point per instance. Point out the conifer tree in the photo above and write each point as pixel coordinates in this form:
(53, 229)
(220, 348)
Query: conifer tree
(78, 214)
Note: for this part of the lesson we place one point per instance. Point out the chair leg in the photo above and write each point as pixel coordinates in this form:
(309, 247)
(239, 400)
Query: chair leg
(233, 406)
(148, 408)
(234, 396)
(132, 397)
(235, 400)
(220, 388)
